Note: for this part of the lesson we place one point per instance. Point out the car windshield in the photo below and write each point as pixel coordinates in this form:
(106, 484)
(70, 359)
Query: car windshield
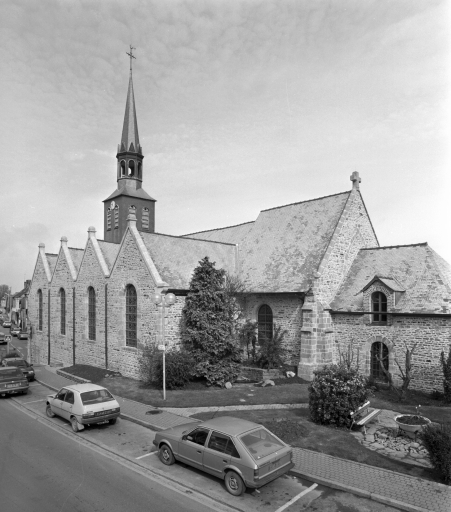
(16, 363)
(261, 443)
(8, 373)
(96, 396)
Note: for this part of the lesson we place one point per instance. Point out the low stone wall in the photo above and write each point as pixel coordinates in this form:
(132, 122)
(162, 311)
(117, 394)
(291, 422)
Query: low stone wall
(259, 374)
(69, 376)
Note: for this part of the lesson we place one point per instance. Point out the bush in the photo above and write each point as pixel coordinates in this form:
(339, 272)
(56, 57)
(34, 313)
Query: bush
(335, 392)
(217, 374)
(437, 440)
(179, 367)
(272, 350)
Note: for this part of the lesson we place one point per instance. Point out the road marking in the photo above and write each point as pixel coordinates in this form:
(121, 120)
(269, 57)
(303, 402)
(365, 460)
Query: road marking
(34, 401)
(303, 493)
(146, 455)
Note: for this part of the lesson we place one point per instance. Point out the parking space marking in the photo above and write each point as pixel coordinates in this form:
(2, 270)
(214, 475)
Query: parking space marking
(146, 455)
(303, 493)
(34, 401)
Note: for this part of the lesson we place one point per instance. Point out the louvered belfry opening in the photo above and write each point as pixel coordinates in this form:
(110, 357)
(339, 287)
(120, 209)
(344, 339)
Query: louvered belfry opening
(131, 316)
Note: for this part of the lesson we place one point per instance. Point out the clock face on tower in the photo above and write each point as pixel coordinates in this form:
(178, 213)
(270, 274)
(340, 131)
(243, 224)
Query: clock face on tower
(112, 205)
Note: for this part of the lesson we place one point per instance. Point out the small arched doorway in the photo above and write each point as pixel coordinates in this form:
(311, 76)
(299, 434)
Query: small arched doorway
(379, 353)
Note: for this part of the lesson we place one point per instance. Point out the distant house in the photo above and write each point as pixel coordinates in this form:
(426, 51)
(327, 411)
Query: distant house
(19, 306)
(313, 267)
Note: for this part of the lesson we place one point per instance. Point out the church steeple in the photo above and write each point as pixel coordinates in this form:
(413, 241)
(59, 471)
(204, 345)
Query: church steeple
(129, 193)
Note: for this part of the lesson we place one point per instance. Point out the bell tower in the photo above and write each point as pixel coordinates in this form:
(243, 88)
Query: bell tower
(129, 177)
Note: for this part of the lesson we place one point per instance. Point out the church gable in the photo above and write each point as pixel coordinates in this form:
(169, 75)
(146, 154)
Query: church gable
(90, 266)
(353, 232)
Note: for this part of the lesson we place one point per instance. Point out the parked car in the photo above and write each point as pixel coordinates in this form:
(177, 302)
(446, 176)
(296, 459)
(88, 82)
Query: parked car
(6, 323)
(15, 330)
(243, 453)
(12, 381)
(23, 335)
(26, 368)
(83, 404)
(2, 337)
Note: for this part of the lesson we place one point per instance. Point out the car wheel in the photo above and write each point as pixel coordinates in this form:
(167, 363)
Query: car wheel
(49, 412)
(74, 423)
(25, 391)
(234, 483)
(166, 455)
(113, 421)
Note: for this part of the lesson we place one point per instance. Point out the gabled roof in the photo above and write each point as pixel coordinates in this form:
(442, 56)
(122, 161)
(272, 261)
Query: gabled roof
(420, 271)
(176, 257)
(283, 248)
(76, 255)
(389, 282)
(51, 259)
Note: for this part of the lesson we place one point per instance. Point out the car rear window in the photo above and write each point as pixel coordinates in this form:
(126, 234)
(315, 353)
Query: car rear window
(15, 363)
(8, 373)
(96, 396)
(261, 443)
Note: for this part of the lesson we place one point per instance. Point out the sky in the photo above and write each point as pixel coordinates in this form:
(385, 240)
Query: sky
(242, 105)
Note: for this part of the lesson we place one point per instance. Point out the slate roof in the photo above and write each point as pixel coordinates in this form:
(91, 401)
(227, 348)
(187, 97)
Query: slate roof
(77, 256)
(176, 257)
(424, 275)
(51, 258)
(130, 137)
(109, 251)
(282, 249)
(130, 192)
(232, 234)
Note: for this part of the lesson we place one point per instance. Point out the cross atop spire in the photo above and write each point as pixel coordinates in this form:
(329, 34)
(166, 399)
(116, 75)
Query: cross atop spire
(355, 178)
(130, 54)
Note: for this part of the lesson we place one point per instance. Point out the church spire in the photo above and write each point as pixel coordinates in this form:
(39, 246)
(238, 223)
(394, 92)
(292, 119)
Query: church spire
(130, 137)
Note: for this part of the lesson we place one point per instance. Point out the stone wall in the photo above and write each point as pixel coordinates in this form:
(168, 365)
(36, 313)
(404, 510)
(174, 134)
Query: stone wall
(432, 334)
(286, 309)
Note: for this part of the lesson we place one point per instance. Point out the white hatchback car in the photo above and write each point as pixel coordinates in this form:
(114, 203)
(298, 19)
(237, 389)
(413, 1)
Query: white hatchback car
(83, 404)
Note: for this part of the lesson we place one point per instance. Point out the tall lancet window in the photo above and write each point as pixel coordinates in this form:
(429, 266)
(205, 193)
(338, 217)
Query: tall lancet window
(108, 219)
(145, 218)
(40, 308)
(63, 311)
(131, 316)
(116, 217)
(91, 314)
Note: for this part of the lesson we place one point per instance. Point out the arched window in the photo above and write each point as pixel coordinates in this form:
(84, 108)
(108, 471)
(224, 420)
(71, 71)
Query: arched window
(116, 217)
(122, 167)
(379, 306)
(63, 310)
(40, 310)
(91, 313)
(379, 353)
(265, 323)
(145, 218)
(131, 167)
(131, 316)
(108, 219)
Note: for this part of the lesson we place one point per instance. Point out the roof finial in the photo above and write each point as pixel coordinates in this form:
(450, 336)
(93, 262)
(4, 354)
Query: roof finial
(355, 178)
(131, 56)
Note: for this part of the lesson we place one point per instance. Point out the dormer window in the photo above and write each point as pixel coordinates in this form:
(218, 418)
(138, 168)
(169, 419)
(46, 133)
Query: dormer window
(379, 307)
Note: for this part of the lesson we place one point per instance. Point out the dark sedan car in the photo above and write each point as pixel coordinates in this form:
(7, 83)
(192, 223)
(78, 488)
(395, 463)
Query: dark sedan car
(12, 381)
(15, 331)
(24, 366)
(243, 453)
(6, 323)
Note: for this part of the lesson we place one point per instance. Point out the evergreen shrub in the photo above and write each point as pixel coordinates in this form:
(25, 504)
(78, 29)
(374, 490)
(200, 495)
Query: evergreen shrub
(437, 440)
(217, 374)
(334, 393)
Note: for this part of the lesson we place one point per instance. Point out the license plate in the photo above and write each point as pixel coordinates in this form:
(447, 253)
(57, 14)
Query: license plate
(13, 385)
(101, 413)
(275, 464)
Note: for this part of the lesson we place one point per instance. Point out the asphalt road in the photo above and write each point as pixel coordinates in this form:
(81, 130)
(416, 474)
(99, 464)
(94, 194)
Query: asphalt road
(44, 471)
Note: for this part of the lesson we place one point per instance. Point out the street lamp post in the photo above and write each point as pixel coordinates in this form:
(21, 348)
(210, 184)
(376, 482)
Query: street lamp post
(163, 301)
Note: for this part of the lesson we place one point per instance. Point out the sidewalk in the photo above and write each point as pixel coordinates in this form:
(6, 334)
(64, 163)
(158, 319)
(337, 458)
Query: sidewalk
(388, 487)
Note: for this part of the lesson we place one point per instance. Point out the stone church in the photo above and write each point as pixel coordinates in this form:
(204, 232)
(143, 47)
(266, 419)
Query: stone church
(315, 268)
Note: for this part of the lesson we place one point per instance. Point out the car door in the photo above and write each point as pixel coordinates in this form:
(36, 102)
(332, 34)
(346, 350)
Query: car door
(218, 452)
(57, 403)
(67, 404)
(191, 447)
